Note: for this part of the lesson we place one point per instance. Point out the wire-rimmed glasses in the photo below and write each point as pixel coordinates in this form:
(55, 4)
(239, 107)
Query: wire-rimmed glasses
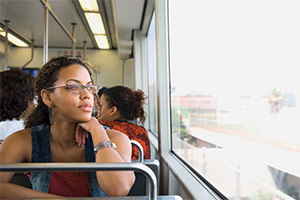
(76, 88)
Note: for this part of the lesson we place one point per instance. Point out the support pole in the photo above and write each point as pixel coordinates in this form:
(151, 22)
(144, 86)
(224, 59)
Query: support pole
(46, 35)
(84, 50)
(32, 54)
(46, 4)
(6, 44)
(74, 39)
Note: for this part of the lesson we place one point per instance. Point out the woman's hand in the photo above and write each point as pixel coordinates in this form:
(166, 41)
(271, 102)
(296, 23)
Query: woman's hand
(80, 135)
(83, 129)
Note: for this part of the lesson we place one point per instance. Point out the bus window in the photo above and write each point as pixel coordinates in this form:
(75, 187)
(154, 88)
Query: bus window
(234, 69)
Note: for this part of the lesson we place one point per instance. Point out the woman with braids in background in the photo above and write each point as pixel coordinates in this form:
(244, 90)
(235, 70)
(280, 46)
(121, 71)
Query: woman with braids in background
(55, 131)
(119, 107)
(16, 95)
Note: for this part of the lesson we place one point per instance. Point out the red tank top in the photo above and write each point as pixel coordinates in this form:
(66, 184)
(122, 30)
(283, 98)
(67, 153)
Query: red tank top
(69, 184)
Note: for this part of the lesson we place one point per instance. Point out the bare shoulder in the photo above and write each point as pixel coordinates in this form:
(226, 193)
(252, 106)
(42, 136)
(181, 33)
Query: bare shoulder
(17, 147)
(123, 145)
(22, 136)
(117, 135)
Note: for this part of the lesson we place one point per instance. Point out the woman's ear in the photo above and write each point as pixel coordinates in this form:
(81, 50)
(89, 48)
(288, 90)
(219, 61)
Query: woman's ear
(114, 110)
(46, 97)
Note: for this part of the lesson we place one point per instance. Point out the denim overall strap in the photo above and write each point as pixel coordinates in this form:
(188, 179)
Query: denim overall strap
(40, 153)
(95, 189)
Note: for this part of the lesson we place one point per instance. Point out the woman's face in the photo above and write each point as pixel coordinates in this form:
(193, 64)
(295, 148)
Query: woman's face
(70, 106)
(105, 110)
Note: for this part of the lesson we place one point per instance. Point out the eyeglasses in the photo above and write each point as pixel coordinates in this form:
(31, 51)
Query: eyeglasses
(77, 88)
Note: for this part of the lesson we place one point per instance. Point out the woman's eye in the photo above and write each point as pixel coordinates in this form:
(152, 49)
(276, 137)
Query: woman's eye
(72, 87)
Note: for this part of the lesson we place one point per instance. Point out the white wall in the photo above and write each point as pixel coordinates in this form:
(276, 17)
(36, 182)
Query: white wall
(107, 62)
(128, 77)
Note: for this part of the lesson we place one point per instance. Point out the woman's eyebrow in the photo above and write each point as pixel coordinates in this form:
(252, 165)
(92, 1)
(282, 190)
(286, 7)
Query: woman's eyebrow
(78, 81)
(75, 80)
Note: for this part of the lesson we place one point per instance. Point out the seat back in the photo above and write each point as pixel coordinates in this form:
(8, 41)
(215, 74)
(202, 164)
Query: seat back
(139, 167)
(140, 148)
(21, 179)
(141, 184)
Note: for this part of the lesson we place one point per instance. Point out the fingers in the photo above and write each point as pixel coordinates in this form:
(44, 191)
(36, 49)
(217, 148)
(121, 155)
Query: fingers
(80, 135)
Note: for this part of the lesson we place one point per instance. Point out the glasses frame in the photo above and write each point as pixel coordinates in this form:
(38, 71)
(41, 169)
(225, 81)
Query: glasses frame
(81, 86)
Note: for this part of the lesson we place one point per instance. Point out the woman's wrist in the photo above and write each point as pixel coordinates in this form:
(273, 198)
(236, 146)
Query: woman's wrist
(99, 134)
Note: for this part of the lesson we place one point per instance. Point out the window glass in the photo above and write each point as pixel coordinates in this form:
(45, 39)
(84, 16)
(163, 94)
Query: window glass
(235, 94)
(152, 98)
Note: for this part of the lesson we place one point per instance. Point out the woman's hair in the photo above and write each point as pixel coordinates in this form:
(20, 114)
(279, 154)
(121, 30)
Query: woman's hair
(16, 91)
(129, 102)
(101, 91)
(46, 77)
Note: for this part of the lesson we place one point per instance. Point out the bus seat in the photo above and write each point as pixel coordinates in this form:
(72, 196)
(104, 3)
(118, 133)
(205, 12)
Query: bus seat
(141, 185)
(21, 179)
(134, 166)
(140, 148)
(143, 168)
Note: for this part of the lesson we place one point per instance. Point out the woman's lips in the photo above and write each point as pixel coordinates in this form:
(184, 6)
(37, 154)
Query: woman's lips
(86, 107)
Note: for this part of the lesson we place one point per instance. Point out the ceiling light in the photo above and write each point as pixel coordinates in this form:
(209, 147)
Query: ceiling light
(95, 22)
(89, 5)
(11, 38)
(102, 41)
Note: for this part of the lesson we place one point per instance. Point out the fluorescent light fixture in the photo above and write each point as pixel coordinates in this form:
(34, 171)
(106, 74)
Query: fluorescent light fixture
(95, 22)
(90, 8)
(89, 5)
(11, 38)
(102, 41)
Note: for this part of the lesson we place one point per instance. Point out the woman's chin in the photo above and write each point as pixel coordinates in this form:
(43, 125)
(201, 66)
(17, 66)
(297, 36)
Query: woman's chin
(85, 118)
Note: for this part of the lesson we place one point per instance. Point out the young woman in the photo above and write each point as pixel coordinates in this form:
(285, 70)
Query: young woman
(63, 115)
(119, 107)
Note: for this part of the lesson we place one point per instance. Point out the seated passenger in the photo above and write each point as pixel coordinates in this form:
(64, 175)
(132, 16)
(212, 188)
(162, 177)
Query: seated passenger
(65, 98)
(16, 94)
(119, 107)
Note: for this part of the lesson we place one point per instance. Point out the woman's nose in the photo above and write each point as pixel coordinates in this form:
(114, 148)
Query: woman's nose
(85, 93)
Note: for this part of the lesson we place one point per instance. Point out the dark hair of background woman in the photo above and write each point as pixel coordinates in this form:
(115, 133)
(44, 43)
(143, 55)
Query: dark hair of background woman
(129, 102)
(46, 77)
(16, 91)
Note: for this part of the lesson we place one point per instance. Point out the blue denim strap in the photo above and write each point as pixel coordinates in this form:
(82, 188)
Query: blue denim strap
(95, 189)
(40, 153)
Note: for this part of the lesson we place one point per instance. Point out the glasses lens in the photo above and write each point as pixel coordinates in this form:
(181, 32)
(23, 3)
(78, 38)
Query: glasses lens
(78, 88)
(74, 88)
(92, 88)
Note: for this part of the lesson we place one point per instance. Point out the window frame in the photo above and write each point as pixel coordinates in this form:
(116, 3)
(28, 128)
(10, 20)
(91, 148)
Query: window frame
(150, 117)
(195, 186)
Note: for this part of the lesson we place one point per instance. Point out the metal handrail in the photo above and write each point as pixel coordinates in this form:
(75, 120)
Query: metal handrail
(32, 54)
(72, 37)
(146, 171)
(47, 5)
(140, 148)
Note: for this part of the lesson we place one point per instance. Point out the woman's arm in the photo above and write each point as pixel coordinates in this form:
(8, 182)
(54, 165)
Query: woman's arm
(113, 183)
(16, 148)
